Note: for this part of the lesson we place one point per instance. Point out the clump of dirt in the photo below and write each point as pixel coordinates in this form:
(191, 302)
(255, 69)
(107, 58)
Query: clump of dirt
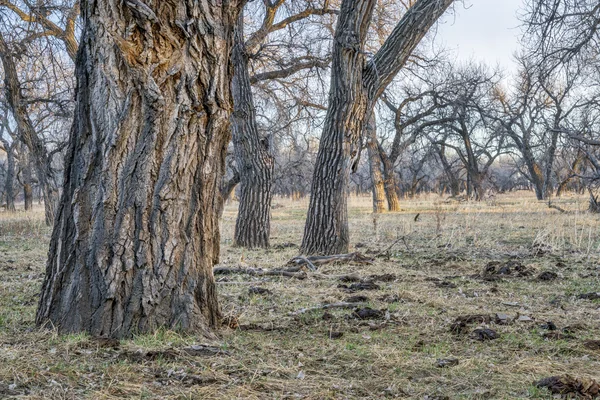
(547, 276)
(549, 326)
(589, 296)
(390, 298)
(255, 290)
(335, 335)
(382, 278)
(592, 344)
(495, 269)
(356, 299)
(566, 384)
(484, 334)
(461, 323)
(368, 313)
(446, 362)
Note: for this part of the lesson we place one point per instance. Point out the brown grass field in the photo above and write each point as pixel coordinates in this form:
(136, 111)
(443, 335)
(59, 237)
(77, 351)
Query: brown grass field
(438, 265)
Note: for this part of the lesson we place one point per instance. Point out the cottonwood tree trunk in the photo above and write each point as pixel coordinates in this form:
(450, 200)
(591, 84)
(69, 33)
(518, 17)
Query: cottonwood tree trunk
(136, 234)
(9, 184)
(375, 166)
(355, 87)
(27, 180)
(390, 182)
(28, 134)
(253, 156)
(326, 229)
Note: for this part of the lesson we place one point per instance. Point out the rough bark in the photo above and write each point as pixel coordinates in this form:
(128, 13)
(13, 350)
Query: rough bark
(136, 233)
(253, 156)
(354, 89)
(389, 181)
(41, 159)
(326, 229)
(9, 183)
(26, 178)
(378, 188)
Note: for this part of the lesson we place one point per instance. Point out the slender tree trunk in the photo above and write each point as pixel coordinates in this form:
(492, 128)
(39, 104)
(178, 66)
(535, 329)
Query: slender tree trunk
(390, 183)
(354, 89)
(27, 179)
(9, 184)
(136, 234)
(326, 229)
(551, 156)
(252, 155)
(378, 188)
(29, 136)
(535, 172)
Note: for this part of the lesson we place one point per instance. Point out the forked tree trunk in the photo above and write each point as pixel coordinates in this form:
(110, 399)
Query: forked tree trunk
(355, 87)
(375, 166)
(136, 234)
(326, 229)
(253, 157)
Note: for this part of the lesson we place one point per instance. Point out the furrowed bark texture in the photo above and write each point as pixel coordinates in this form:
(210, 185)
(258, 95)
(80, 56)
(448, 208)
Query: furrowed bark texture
(390, 182)
(136, 234)
(41, 159)
(9, 184)
(354, 90)
(253, 157)
(375, 167)
(27, 180)
(326, 229)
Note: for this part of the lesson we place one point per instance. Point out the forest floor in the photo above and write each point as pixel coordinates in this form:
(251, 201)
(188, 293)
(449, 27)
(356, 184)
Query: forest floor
(511, 271)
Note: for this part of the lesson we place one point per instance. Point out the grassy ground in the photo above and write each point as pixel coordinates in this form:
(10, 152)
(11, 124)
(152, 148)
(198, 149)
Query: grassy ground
(438, 266)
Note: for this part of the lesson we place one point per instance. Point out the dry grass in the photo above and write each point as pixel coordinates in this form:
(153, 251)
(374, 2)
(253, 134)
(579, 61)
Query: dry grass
(281, 356)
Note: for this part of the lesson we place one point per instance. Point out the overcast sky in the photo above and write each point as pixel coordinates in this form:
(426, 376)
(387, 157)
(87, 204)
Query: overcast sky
(483, 30)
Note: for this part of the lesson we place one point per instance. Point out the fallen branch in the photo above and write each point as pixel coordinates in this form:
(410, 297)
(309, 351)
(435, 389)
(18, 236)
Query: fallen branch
(258, 272)
(325, 307)
(314, 261)
(562, 210)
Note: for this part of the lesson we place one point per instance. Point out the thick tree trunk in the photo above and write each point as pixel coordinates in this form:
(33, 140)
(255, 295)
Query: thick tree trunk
(326, 229)
(252, 156)
(375, 166)
(136, 233)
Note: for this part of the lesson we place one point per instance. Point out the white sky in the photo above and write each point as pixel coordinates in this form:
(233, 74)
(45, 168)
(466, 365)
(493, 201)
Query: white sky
(483, 31)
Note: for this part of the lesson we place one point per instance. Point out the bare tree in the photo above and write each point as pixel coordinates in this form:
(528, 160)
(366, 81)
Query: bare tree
(136, 233)
(355, 87)
(253, 151)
